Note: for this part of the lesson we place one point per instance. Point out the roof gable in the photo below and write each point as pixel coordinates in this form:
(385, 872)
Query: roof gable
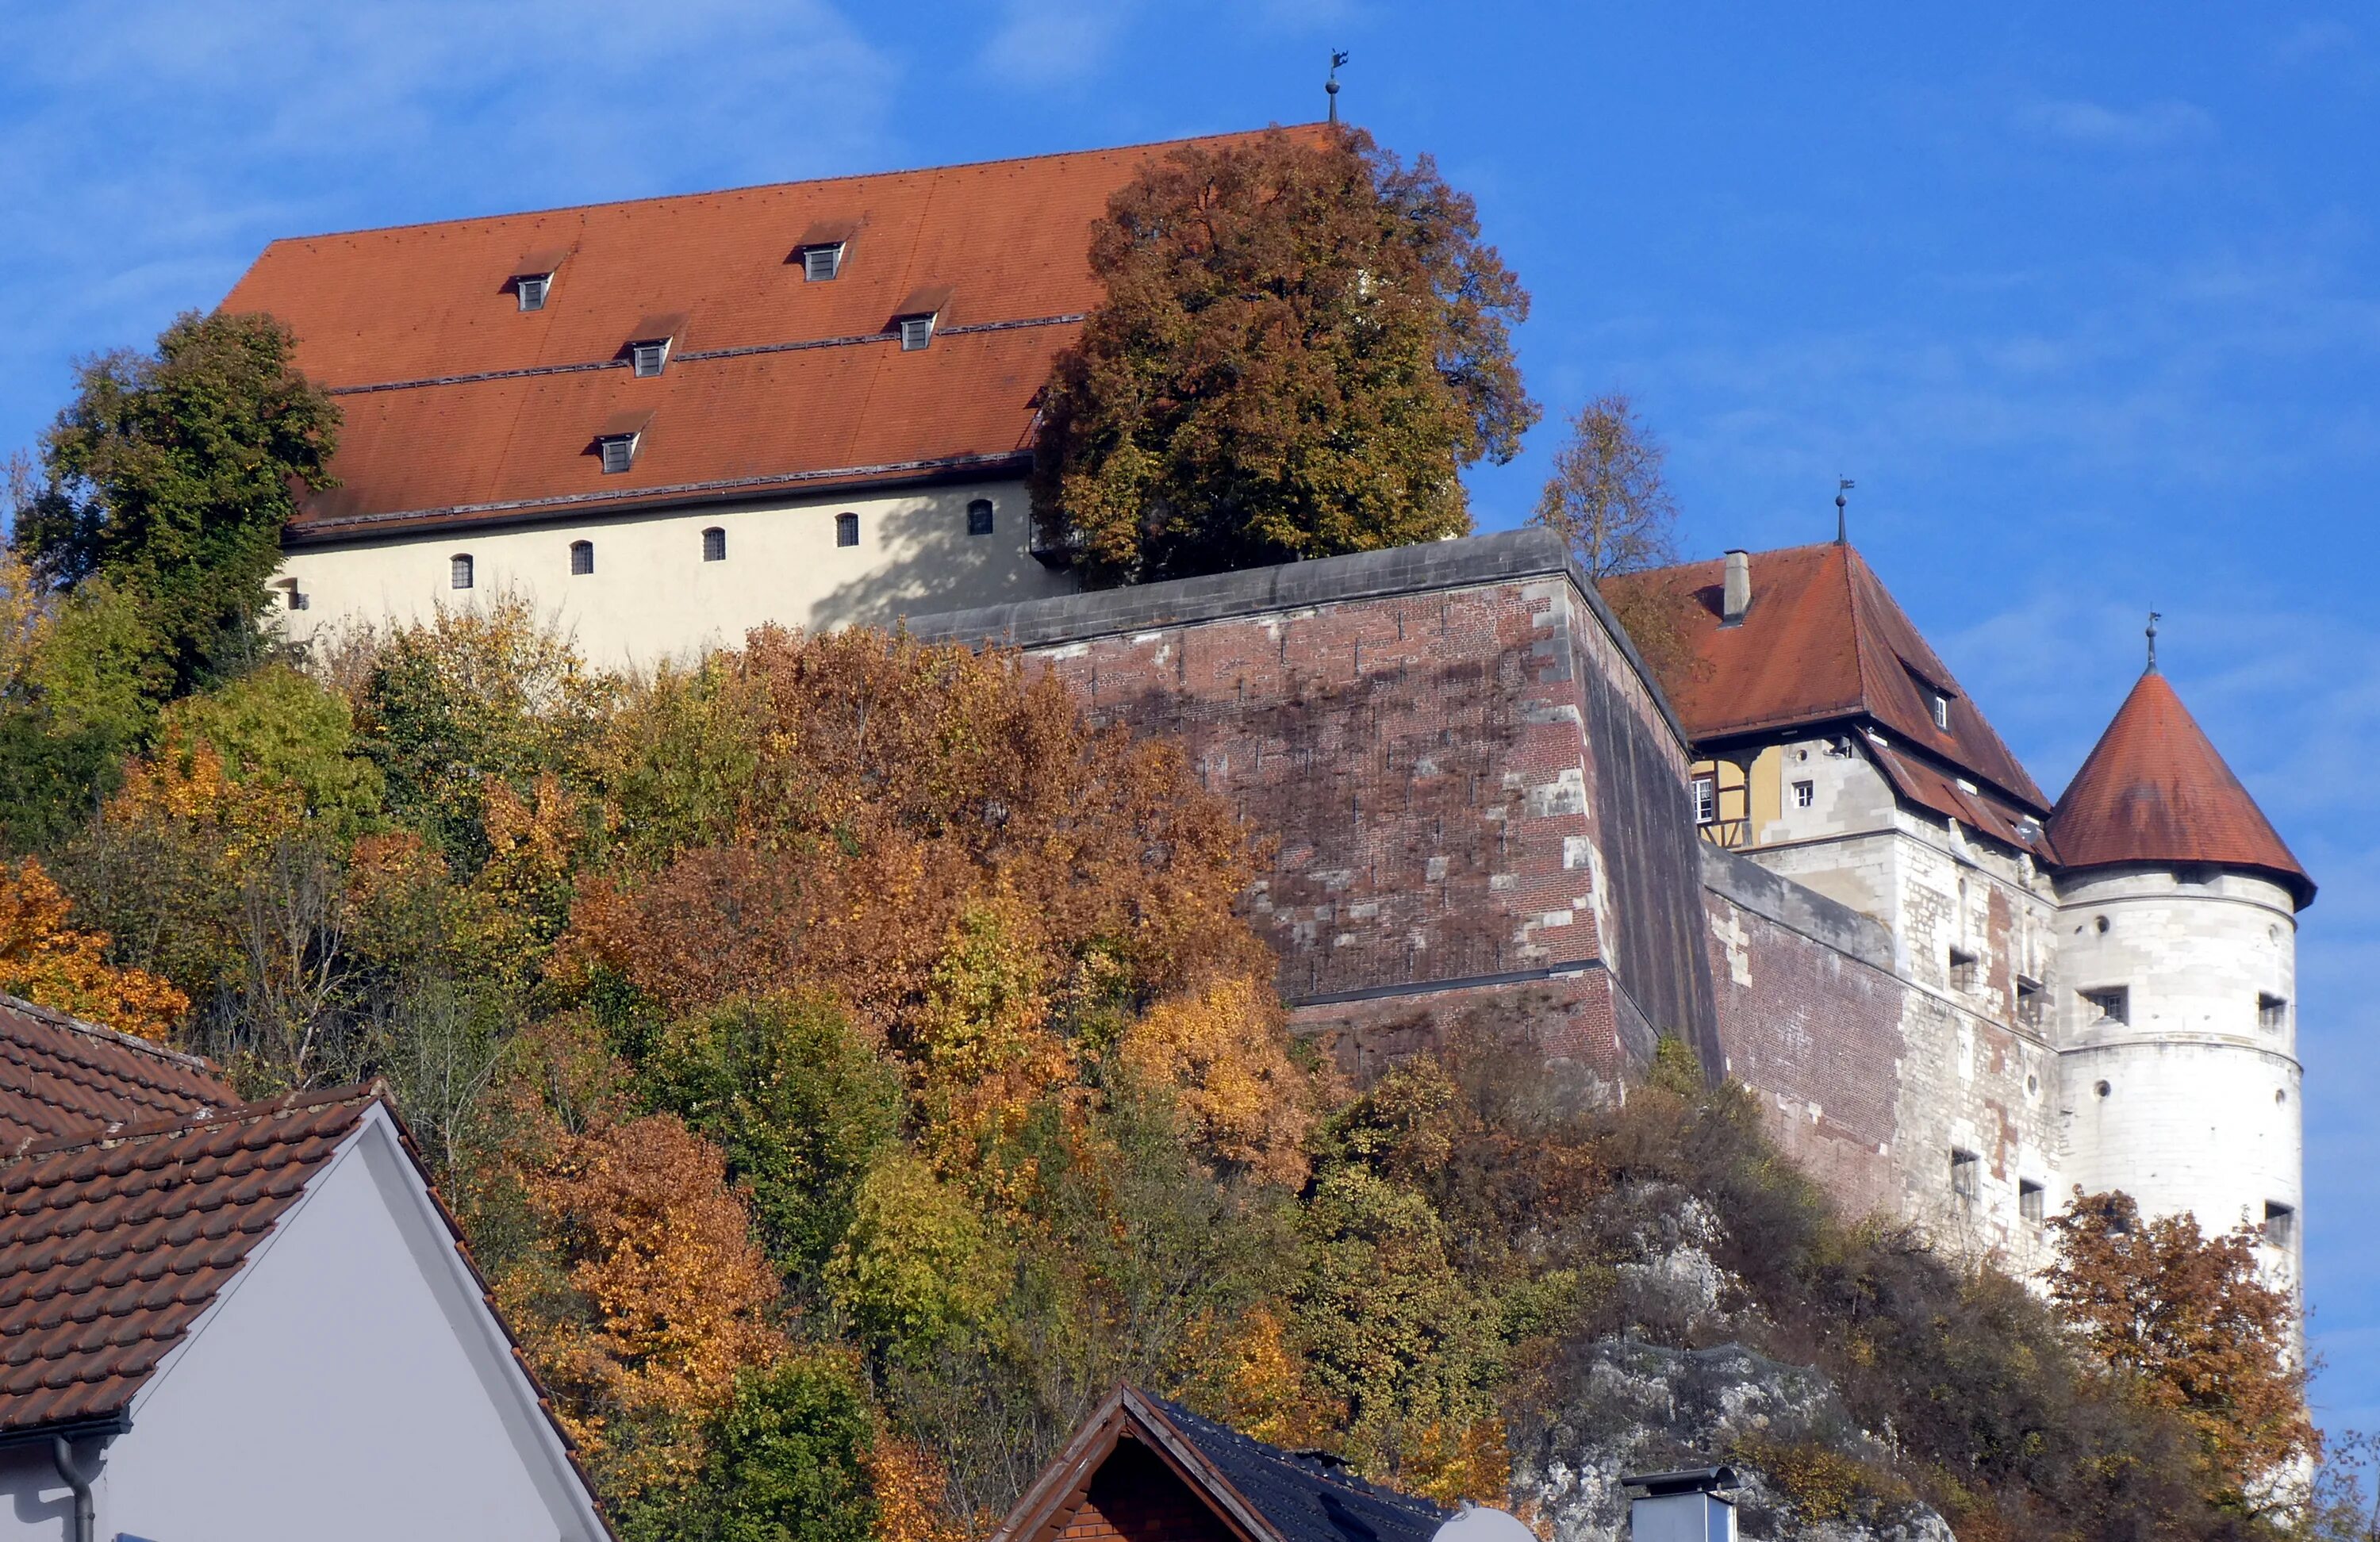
(459, 405)
(1825, 641)
(2155, 790)
(61, 1076)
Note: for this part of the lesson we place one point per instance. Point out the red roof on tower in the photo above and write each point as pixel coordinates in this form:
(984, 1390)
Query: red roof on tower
(463, 407)
(2154, 790)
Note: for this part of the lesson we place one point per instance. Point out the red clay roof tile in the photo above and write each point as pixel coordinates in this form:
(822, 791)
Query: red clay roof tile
(59, 1077)
(2154, 790)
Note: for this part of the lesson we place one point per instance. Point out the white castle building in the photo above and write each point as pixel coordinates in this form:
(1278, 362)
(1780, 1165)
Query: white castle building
(666, 422)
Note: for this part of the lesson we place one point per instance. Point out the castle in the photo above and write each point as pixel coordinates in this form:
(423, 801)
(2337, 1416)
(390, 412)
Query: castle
(665, 421)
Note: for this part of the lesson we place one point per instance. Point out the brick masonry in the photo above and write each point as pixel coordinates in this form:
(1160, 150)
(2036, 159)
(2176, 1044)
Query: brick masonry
(1135, 1498)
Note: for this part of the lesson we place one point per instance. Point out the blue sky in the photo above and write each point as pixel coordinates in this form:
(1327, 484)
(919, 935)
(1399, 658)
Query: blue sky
(2089, 305)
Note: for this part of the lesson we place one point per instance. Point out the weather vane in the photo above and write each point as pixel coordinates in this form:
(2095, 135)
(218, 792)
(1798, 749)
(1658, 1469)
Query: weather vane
(2153, 619)
(1337, 57)
(1842, 485)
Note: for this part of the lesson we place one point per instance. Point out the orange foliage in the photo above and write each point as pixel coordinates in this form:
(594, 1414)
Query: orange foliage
(47, 962)
(1225, 1051)
(186, 784)
(907, 1483)
(656, 1245)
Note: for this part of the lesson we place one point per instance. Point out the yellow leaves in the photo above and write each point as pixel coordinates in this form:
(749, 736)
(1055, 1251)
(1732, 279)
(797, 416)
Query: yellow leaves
(1225, 1052)
(917, 1267)
(185, 783)
(907, 1483)
(47, 962)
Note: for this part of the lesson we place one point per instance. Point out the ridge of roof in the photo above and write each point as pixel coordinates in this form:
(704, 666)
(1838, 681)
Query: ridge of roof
(1201, 1430)
(124, 1131)
(106, 1034)
(740, 187)
(2154, 790)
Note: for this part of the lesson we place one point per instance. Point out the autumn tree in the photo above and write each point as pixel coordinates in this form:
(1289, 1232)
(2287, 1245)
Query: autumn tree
(1610, 504)
(2194, 1318)
(48, 962)
(1301, 346)
(171, 475)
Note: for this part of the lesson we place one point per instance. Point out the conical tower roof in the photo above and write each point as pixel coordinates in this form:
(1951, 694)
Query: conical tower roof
(2154, 790)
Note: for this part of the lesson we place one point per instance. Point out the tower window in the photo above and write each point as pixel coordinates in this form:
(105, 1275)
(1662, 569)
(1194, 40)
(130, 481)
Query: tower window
(2272, 1013)
(1966, 1173)
(2028, 1001)
(458, 570)
(582, 558)
(530, 290)
(649, 359)
(291, 596)
(1941, 710)
(714, 544)
(979, 517)
(1804, 794)
(1962, 969)
(2109, 1003)
(847, 530)
(821, 262)
(2029, 1201)
(2280, 1225)
(915, 333)
(1705, 800)
(619, 452)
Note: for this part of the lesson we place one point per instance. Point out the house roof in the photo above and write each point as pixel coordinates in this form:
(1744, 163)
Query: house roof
(61, 1076)
(460, 407)
(2154, 790)
(1824, 641)
(111, 1244)
(1259, 1492)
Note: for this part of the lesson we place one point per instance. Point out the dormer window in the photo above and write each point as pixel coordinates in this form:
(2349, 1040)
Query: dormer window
(650, 344)
(618, 442)
(649, 359)
(1941, 710)
(915, 333)
(821, 250)
(917, 316)
(531, 290)
(820, 263)
(533, 278)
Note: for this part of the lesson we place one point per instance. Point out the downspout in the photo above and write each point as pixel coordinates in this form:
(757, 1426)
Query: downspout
(78, 1479)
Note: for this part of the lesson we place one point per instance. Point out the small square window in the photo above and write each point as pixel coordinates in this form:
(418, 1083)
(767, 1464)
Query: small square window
(1941, 710)
(714, 544)
(915, 333)
(619, 453)
(582, 558)
(820, 263)
(2030, 1201)
(1966, 1173)
(531, 288)
(1965, 974)
(2280, 1225)
(847, 530)
(458, 570)
(650, 359)
(2109, 1003)
(2028, 1001)
(979, 517)
(2272, 1013)
(1804, 794)
(1705, 800)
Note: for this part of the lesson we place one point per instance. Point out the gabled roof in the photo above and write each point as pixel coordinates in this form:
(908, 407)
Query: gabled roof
(112, 1245)
(1824, 642)
(61, 1076)
(2154, 790)
(460, 406)
(1259, 1492)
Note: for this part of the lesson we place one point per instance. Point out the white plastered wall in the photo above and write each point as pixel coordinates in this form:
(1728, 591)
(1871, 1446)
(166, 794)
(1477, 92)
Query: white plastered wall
(651, 595)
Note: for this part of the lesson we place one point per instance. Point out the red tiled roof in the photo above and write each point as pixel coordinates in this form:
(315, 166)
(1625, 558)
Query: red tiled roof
(459, 405)
(1824, 641)
(2154, 790)
(112, 1245)
(59, 1077)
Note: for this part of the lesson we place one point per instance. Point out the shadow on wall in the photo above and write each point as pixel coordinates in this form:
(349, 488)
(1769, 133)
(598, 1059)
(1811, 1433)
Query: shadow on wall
(925, 563)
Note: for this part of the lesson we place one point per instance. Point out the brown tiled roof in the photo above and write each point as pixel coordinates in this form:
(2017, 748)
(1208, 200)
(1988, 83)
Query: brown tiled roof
(2154, 790)
(460, 406)
(60, 1077)
(111, 1246)
(1825, 642)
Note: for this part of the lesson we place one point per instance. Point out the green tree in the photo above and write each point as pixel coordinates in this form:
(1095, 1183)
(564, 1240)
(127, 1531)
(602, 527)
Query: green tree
(1302, 343)
(172, 474)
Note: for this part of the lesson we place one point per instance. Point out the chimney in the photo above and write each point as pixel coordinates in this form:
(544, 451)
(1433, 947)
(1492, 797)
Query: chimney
(1683, 1506)
(1736, 598)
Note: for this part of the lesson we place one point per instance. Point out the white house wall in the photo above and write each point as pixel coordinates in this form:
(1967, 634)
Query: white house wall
(651, 596)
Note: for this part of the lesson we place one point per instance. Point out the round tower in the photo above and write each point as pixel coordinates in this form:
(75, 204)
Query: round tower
(2177, 969)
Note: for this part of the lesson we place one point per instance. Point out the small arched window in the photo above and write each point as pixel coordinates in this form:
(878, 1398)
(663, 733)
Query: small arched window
(458, 570)
(714, 544)
(979, 517)
(847, 530)
(582, 557)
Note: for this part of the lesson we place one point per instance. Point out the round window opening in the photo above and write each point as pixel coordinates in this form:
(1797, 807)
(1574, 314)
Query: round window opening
(2102, 924)
(2281, 1096)
(2103, 1089)
(2032, 1083)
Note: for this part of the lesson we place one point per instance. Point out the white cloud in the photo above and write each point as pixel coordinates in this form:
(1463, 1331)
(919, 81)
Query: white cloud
(2158, 126)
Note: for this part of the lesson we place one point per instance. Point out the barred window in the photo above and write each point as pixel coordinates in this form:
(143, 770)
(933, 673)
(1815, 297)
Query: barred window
(582, 558)
(847, 530)
(714, 544)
